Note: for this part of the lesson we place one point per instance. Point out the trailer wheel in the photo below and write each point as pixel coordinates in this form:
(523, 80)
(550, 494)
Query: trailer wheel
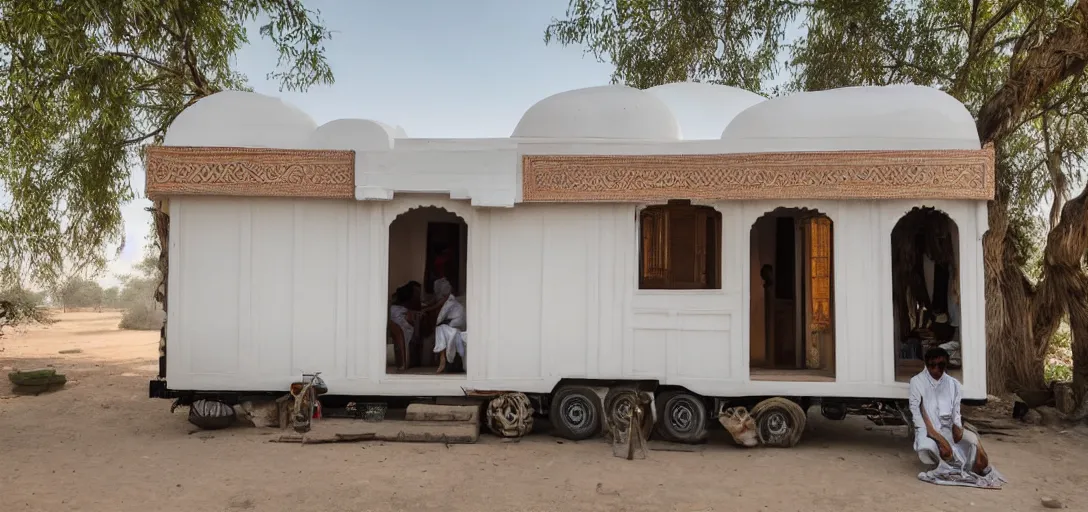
(618, 404)
(779, 422)
(576, 413)
(681, 417)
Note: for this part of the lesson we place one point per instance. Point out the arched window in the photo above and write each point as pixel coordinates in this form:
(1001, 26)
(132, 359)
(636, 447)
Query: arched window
(680, 247)
(925, 290)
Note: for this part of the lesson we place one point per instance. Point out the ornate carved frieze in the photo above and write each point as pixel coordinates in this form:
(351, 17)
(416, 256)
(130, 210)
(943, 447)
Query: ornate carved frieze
(943, 174)
(176, 170)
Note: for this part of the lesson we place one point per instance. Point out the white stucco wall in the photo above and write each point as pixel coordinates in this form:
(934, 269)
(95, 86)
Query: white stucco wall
(262, 290)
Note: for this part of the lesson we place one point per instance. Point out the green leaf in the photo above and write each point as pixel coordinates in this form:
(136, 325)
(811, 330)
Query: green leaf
(84, 86)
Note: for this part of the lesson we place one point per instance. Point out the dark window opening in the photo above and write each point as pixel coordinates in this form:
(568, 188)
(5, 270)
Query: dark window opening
(680, 247)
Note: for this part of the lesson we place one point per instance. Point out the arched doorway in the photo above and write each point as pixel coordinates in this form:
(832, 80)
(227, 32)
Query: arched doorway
(426, 244)
(792, 322)
(925, 290)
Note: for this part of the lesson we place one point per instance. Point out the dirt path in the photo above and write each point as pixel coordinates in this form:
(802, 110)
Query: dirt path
(101, 444)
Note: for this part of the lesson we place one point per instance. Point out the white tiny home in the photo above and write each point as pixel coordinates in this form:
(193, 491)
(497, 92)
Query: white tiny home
(596, 244)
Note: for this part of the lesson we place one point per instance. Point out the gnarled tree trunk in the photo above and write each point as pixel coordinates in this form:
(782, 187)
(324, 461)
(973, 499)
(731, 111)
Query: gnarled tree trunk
(1020, 318)
(1064, 287)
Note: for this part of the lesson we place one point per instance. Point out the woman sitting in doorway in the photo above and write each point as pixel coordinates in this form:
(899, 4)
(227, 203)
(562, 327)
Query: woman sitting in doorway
(405, 316)
(449, 331)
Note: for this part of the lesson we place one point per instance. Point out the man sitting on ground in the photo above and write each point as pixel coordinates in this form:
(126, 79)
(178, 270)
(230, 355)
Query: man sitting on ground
(939, 436)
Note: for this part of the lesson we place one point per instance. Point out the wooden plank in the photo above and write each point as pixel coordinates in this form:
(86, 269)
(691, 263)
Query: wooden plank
(340, 438)
(396, 431)
(429, 437)
(335, 438)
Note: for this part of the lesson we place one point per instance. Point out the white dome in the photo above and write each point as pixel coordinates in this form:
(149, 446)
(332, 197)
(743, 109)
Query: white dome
(703, 110)
(605, 112)
(895, 117)
(241, 119)
(356, 134)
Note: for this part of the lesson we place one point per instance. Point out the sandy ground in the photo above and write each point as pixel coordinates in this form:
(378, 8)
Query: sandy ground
(101, 445)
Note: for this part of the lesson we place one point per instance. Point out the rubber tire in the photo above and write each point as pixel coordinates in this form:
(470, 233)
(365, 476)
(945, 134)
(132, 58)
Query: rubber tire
(589, 409)
(690, 427)
(617, 404)
(779, 422)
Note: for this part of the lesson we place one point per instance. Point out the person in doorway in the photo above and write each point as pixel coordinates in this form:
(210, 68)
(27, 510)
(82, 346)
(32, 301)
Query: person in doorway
(442, 258)
(939, 436)
(449, 331)
(407, 319)
(766, 273)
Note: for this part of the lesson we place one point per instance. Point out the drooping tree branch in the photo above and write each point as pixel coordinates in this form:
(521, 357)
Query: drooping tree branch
(85, 85)
(1059, 55)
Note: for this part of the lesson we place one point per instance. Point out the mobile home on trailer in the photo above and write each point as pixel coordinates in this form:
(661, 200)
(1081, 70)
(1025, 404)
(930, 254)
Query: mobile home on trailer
(812, 251)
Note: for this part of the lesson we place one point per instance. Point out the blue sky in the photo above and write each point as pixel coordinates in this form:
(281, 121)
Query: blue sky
(437, 68)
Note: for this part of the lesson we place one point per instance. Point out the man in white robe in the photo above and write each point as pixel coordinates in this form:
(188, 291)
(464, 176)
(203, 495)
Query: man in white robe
(449, 332)
(407, 321)
(939, 436)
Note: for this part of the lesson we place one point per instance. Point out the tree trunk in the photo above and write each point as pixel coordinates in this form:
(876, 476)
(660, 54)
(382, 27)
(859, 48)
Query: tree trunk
(993, 266)
(162, 232)
(1064, 287)
(1078, 323)
(1013, 360)
(1019, 318)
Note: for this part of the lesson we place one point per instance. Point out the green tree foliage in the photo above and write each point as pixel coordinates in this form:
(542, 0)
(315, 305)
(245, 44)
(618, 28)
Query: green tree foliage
(85, 85)
(111, 297)
(651, 42)
(1017, 64)
(78, 292)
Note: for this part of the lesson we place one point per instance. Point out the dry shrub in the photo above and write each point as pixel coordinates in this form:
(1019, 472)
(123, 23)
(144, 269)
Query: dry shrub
(19, 307)
(142, 317)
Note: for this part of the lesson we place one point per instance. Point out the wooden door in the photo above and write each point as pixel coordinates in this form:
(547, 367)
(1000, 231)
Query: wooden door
(443, 235)
(784, 348)
(817, 332)
(785, 334)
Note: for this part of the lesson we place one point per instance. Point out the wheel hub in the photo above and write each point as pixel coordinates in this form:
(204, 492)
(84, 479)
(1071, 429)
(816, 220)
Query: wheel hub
(777, 424)
(681, 415)
(621, 413)
(576, 411)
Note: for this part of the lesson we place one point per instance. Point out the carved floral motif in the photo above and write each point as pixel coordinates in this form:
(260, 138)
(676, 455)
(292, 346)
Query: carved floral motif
(174, 170)
(944, 174)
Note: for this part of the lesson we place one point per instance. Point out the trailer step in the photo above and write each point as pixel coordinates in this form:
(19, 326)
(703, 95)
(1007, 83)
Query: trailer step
(428, 412)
